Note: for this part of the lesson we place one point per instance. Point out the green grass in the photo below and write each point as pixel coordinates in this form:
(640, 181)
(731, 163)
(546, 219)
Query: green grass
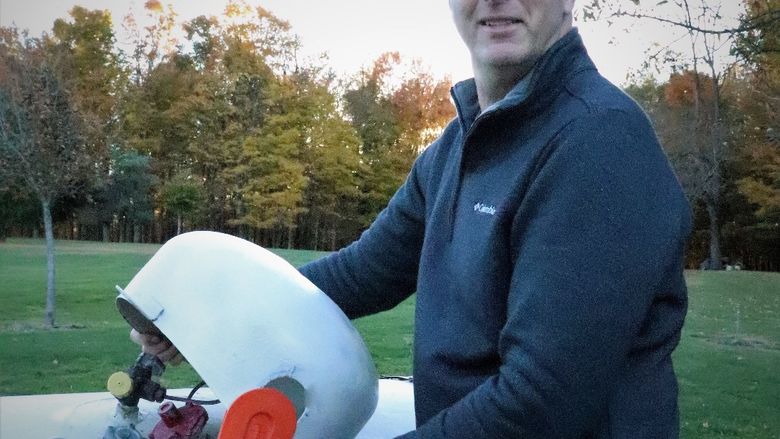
(728, 361)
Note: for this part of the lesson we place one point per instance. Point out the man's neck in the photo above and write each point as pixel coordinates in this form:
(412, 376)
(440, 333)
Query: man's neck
(494, 84)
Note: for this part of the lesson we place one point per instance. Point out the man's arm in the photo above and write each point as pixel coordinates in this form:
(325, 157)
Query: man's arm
(379, 270)
(601, 226)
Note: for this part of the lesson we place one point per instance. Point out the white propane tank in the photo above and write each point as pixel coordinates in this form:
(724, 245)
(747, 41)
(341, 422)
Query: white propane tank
(86, 415)
(244, 318)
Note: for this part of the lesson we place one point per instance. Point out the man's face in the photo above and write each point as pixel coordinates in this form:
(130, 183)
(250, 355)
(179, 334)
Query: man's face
(501, 33)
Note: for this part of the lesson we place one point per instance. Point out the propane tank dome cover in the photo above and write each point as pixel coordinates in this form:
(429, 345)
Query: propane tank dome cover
(134, 317)
(245, 318)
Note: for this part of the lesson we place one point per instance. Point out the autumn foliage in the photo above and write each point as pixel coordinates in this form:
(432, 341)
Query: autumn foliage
(682, 89)
(218, 124)
(227, 129)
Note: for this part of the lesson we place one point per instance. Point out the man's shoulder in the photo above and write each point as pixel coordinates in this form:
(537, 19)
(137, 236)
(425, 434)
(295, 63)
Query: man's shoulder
(594, 94)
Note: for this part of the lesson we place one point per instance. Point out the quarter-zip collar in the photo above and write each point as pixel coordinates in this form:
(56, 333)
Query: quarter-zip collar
(535, 90)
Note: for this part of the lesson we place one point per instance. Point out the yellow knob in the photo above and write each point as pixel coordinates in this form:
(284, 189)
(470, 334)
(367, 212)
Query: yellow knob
(120, 384)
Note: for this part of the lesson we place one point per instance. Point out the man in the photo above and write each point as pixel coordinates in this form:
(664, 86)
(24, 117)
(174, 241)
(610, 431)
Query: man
(544, 233)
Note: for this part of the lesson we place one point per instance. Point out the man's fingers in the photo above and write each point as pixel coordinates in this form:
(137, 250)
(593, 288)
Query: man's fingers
(157, 349)
(135, 336)
(166, 352)
(156, 345)
(177, 359)
(144, 339)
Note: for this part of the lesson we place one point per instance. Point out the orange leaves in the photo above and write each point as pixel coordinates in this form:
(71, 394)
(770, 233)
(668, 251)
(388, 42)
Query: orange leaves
(683, 89)
(382, 67)
(422, 106)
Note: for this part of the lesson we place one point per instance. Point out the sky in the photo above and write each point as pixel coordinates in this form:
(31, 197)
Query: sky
(355, 32)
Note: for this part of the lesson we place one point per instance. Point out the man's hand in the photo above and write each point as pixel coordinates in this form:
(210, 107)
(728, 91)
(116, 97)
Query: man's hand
(157, 345)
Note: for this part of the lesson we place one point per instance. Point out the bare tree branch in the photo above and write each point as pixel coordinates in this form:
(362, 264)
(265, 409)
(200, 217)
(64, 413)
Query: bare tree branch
(758, 22)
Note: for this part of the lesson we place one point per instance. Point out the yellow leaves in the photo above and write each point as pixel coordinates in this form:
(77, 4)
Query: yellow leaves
(236, 9)
(153, 6)
(266, 15)
(763, 186)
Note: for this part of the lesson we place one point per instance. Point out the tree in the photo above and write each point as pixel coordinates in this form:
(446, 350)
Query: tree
(760, 107)
(697, 146)
(182, 196)
(332, 196)
(271, 166)
(17, 207)
(396, 116)
(124, 198)
(41, 142)
(331, 158)
(153, 121)
(94, 75)
(201, 113)
(762, 184)
(253, 167)
(130, 190)
(93, 70)
(237, 75)
(155, 43)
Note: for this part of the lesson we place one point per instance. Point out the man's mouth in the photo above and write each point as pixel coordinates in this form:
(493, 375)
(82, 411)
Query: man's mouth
(500, 21)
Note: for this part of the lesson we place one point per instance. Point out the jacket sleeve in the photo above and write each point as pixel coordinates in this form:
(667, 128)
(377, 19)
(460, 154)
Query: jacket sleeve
(379, 270)
(597, 237)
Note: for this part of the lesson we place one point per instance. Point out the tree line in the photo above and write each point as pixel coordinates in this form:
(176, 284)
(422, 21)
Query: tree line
(229, 130)
(226, 130)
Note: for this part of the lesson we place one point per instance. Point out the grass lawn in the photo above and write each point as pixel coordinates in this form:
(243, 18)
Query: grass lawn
(728, 361)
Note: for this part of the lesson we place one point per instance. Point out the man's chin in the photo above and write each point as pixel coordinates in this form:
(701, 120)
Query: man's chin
(507, 62)
(504, 55)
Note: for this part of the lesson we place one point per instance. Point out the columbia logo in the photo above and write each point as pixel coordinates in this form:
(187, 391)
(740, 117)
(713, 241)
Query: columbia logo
(483, 208)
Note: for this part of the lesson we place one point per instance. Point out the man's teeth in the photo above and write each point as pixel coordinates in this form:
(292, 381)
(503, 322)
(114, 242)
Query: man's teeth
(499, 22)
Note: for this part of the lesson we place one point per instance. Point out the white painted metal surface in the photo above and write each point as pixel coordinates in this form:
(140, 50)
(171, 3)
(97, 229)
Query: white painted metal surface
(244, 317)
(87, 415)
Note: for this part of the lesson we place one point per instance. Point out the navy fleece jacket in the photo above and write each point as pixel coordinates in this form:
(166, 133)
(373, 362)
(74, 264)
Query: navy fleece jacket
(545, 240)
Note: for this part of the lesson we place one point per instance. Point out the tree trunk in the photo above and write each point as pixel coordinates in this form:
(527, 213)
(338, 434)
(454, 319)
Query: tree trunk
(106, 234)
(136, 233)
(712, 213)
(290, 237)
(317, 234)
(178, 224)
(158, 231)
(74, 229)
(50, 293)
